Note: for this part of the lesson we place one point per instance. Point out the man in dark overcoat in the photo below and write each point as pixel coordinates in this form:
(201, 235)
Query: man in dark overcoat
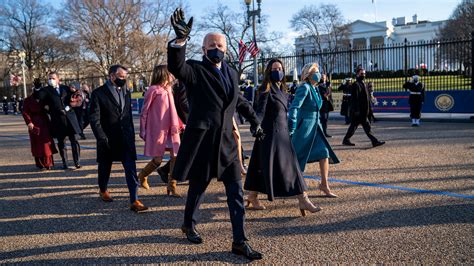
(208, 148)
(111, 120)
(359, 110)
(57, 100)
(416, 99)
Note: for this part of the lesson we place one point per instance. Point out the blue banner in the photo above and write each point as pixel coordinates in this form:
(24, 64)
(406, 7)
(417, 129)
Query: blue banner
(137, 105)
(435, 102)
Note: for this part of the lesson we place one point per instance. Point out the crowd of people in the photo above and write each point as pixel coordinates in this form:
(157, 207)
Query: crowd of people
(190, 111)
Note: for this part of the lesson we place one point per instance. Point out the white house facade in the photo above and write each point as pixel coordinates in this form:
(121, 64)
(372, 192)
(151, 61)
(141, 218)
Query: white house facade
(379, 45)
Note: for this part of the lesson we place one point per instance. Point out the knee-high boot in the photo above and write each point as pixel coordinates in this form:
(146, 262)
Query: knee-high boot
(145, 172)
(171, 188)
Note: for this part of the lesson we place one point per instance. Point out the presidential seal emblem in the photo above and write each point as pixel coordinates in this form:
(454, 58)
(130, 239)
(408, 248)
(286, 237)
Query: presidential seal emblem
(444, 102)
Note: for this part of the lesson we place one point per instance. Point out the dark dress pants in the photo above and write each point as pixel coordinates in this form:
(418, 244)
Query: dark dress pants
(75, 147)
(324, 117)
(130, 167)
(367, 128)
(235, 200)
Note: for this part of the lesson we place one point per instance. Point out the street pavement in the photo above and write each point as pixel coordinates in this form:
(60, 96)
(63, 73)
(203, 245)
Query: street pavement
(409, 201)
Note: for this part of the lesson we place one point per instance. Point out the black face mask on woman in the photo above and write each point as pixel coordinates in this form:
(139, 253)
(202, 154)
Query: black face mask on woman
(276, 75)
(215, 55)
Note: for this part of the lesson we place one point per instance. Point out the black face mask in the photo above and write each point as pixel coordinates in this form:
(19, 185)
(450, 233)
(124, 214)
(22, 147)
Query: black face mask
(215, 55)
(361, 78)
(36, 93)
(120, 82)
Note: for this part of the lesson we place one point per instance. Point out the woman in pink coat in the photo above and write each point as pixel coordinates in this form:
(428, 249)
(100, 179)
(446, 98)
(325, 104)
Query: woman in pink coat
(160, 126)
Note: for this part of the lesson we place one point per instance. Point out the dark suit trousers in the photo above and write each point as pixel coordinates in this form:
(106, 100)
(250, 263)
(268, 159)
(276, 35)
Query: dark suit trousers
(235, 200)
(367, 128)
(75, 147)
(324, 117)
(130, 175)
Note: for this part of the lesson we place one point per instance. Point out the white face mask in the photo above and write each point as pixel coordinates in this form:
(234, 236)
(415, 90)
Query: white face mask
(52, 83)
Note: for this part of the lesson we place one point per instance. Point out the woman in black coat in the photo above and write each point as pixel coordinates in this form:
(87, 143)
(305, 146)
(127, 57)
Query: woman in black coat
(273, 167)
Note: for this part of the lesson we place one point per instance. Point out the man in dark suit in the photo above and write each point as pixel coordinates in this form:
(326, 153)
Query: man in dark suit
(64, 123)
(112, 123)
(208, 148)
(360, 109)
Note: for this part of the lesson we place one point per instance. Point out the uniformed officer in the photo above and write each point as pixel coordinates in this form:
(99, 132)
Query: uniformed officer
(416, 99)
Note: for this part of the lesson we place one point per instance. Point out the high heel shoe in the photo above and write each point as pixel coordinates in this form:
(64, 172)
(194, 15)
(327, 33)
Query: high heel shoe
(327, 192)
(306, 205)
(253, 203)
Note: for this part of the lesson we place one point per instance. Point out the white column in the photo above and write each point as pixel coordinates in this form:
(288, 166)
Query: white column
(367, 45)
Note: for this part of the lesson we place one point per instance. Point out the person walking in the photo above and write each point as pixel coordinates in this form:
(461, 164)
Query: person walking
(304, 126)
(58, 99)
(208, 148)
(325, 91)
(346, 98)
(360, 110)
(5, 105)
(160, 126)
(274, 168)
(37, 121)
(182, 109)
(416, 99)
(112, 124)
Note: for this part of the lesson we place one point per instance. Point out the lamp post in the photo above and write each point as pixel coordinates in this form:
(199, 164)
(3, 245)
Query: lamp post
(252, 14)
(22, 56)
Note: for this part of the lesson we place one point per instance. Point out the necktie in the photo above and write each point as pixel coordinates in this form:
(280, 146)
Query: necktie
(120, 98)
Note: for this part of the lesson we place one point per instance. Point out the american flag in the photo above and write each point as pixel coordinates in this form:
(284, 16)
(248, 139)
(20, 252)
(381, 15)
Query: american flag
(253, 49)
(242, 51)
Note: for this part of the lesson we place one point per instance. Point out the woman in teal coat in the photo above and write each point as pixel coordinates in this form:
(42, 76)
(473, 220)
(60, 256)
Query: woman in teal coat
(303, 124)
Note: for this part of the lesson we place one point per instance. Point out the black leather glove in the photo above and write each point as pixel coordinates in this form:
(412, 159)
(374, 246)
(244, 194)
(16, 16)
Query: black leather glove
(180, 27)
(257, 132)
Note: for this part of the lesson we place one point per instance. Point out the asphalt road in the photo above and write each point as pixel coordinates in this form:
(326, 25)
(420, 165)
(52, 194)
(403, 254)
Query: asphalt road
(409, 201)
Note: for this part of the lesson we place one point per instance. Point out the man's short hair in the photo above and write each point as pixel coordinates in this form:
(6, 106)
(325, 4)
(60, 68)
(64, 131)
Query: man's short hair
(53, 73)
(114, 68)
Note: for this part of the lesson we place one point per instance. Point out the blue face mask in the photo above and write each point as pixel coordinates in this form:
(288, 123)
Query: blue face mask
(276, 75)
(316, 76)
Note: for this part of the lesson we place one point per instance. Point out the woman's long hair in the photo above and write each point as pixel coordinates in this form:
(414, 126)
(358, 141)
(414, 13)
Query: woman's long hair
(160, 75)
(267, 82)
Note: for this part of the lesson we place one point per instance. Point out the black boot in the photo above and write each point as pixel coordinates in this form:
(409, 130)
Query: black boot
(247, 251)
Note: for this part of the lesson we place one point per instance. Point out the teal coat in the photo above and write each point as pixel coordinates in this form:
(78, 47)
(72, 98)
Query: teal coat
(303, 124)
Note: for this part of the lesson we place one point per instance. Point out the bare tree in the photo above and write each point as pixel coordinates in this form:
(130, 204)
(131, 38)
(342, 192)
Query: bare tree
(326, 27)
(25, 24)
(459, 26)
(130, 32)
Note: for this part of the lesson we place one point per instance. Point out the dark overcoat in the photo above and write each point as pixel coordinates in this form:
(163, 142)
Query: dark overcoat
(208, 146)
(360, 106)
(112, 126)
(63, 118)
(346, 98)
(273, 167)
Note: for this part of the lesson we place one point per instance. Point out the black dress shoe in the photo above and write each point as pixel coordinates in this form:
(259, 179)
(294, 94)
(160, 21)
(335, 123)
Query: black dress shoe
(78, 165)
(378, 143)
(163, 175)
(247, 251)
(347, 143)
(192, 235)
(328, 136)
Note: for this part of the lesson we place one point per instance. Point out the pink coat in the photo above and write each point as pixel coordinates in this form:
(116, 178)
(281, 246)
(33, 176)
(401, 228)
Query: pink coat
(159, 122)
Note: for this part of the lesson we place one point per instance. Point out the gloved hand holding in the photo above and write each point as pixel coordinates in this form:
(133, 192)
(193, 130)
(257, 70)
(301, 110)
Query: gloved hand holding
(257, 132)
(180, 27)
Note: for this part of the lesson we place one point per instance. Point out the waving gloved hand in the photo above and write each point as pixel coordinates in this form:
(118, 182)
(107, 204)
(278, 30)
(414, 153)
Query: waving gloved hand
(257, 132)
(181, 28)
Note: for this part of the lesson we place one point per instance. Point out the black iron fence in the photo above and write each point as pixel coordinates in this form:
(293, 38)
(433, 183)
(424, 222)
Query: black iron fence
(441, 64)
